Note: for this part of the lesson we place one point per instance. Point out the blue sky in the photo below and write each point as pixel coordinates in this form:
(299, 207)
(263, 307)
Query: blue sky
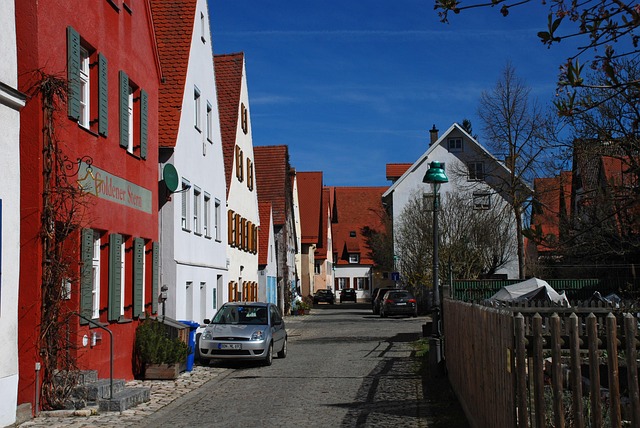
(350, 86)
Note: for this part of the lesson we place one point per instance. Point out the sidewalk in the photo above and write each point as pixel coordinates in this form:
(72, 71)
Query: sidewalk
(163, 392)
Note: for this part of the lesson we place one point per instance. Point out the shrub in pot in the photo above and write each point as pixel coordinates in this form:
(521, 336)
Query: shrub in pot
(160, 356)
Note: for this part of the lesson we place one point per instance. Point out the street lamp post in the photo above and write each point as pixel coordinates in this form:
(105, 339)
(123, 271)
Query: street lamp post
(435, 176)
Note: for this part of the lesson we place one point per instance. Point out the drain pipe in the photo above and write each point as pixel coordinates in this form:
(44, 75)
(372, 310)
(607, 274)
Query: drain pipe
(37, 401)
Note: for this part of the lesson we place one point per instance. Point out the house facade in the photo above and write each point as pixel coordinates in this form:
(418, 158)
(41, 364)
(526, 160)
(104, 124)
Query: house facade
(273, 177)
(243, 217)
(267, 261)
(11, 102)
(473, 173)
(104, 142)
(323, 266)
(296, 216)
(193, 221)
(310, 199)
(357, 211)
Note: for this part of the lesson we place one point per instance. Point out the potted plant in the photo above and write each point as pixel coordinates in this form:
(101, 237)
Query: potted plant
(307, 303)
(160, 356)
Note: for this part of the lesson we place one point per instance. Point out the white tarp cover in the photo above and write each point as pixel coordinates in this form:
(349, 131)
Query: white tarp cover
(533, 289)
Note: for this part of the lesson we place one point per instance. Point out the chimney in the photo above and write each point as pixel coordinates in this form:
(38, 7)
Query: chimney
(433, 133)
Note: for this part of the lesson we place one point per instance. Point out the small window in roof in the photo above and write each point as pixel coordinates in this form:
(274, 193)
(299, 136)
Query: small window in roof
(352, 234)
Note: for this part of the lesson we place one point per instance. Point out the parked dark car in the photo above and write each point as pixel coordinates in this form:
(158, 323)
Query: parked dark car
(376, 297)
(348, 294)
(324, 296)
(398, 302)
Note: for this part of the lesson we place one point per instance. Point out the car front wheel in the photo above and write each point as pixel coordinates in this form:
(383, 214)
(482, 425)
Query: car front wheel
(283, 352)
(268, 360)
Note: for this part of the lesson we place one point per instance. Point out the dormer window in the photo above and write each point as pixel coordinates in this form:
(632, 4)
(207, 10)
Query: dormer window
(354, 258)
(352, 234)
(454, 144)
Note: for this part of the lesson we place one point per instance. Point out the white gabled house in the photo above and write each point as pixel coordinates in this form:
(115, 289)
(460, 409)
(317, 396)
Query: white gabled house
(267, 261)
(193, 264)
(472, 171)
(242, 197)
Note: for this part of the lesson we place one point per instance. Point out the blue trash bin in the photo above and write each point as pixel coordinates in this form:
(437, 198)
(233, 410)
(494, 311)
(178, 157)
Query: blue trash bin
(193, 326)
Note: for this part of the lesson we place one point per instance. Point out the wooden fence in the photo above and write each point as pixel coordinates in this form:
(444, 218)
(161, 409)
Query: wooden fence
(543, 367)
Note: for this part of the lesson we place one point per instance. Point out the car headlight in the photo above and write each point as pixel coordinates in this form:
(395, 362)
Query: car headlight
(258, 335)
(207, 335)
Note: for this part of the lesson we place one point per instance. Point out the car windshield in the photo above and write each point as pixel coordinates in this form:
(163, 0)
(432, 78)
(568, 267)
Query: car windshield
(397, 295)
(324, 292)
(241, 314)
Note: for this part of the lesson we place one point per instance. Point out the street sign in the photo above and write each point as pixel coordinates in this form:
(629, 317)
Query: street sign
(395, 276)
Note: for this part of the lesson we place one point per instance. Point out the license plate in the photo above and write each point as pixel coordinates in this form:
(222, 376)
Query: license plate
(230, 346)
(402, 304)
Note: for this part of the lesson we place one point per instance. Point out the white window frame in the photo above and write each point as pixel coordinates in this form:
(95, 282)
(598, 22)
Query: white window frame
(85, 89)
(196, 211)
(95, 286)
(144, 278)
(209, 122)
(130, 145)
(481, 201)
(317, 268)
(474, 168)
(342, 283)
(217, 220)
(206, 216)
(354, 258)
(122, 277)
(359, 283)
(196, 108)
(186, 207)
(454, 144)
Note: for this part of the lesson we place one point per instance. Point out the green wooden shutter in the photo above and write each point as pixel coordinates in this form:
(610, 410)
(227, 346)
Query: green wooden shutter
(155, 277)
(73, 73)
(144, 124)
(86, 275)
(138, 275)
(115, 276)
(124, 109)
(103, 96)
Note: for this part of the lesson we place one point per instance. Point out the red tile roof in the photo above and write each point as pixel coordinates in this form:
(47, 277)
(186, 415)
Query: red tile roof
(355, 209)
(395, 170)
(173, 23)
(310, 197)
(264, 209)
(272, 173)
(229, 69)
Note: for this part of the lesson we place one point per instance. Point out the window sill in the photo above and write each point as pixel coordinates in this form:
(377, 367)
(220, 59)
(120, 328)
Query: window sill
(97, 324)
(209, 140)
(123, 320)
(197, 233)
(207, 236)
(198, 129)
(203, 39)
(186, 230)
(88, 130)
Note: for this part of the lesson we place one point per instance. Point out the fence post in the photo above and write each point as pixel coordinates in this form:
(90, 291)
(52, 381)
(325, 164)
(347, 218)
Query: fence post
(521, 372)
(538, 368)
(576, 375)
(614, 383)
(630, 326)
(594, 371)
(556, 375)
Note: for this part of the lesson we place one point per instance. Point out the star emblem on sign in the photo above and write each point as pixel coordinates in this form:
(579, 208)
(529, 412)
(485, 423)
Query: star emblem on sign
(89, 183)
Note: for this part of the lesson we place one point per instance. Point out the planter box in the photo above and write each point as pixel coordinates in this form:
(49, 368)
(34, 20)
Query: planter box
(162, 371)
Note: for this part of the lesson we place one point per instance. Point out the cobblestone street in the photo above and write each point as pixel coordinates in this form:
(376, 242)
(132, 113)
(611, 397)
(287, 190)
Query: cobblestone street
(345, 368)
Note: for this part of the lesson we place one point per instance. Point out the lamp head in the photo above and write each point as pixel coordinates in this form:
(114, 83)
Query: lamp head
(435, 174)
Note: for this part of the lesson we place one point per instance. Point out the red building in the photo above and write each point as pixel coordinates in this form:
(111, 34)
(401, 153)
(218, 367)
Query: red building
(107, 129)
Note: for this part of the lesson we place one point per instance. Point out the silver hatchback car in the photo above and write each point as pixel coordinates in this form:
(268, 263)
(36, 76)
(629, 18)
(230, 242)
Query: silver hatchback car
(244, 331)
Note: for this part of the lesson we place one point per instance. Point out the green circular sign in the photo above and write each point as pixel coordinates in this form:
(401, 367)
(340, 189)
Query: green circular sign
(170, 177)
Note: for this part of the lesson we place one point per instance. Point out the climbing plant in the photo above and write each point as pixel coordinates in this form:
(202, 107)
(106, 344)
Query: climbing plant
(62, 208)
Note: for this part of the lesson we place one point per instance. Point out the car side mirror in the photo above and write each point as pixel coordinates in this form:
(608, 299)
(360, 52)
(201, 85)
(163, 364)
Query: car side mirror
(207, 321)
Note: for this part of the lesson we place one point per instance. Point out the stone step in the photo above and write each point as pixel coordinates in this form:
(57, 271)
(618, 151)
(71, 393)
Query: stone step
(101, 388)
(125, 399)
